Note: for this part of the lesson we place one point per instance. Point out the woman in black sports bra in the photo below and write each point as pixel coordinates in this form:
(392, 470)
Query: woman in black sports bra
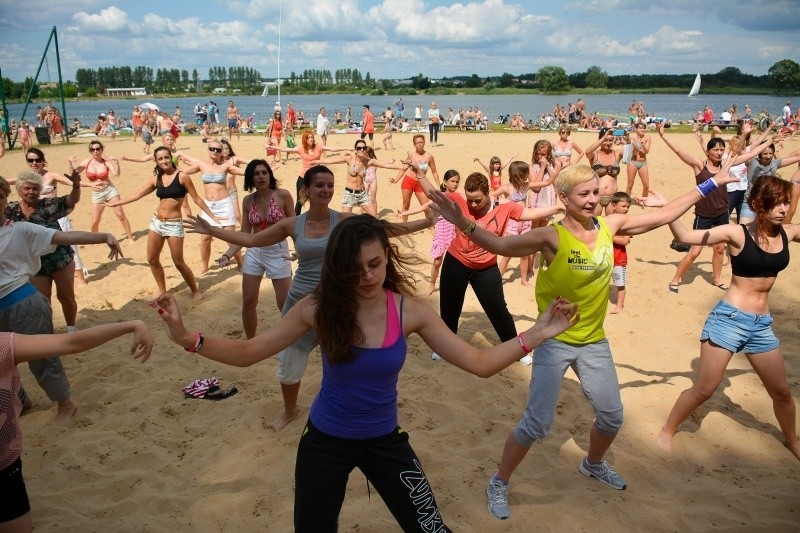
(171, 186)
(741, 321)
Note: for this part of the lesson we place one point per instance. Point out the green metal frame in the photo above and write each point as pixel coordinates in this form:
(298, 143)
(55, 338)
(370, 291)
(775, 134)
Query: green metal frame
(53, 38)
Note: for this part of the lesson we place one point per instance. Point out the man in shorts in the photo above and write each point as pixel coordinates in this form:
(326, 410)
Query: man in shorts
(233, 120)
(368, 125)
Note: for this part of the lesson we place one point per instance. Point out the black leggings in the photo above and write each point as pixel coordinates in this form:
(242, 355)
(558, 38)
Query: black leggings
(324, 463)
(735, 200)
(433, 132)
(488, 287)
(298, 204)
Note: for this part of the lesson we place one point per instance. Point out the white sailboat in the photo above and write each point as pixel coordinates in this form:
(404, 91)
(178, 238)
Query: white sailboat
(695, 87)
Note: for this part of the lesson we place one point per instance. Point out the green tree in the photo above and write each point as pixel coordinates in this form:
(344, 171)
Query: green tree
(70, 90)
(420, 81)
(596, 77)
(785, 75)
(553, 79)
(473, 82)
(505, 80)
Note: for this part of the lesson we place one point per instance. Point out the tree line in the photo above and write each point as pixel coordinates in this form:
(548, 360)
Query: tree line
(783, 76)
(163, 80)
(320, 78)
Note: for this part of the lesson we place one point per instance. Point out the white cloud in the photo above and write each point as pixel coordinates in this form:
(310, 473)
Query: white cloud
(474, 22)
(111, 19)
(314, 48)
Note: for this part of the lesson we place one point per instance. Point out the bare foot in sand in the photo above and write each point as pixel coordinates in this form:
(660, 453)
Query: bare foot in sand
(197, 296)
(66, 410)
(283, 420)
(202, 272)
(617, 310)
(664, 441)
(794, 448)
(432, 289)
(525, 283)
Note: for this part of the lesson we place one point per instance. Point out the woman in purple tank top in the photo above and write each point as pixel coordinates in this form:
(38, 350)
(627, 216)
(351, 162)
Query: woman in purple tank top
(362, 311)
(309, 231)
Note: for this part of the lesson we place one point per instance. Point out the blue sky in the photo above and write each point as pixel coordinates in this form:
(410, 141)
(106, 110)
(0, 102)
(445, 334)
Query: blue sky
(401, 38)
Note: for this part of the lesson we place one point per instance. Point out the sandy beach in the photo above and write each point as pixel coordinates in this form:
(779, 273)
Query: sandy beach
(139, 457)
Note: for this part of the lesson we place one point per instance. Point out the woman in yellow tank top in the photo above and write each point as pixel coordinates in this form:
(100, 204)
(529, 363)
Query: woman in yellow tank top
(578, 250)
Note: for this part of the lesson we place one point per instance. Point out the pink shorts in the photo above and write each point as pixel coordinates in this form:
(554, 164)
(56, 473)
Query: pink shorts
(517, 227)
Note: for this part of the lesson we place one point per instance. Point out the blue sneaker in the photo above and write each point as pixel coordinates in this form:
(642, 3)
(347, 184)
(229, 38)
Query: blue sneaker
(602, 472)
(497, 492)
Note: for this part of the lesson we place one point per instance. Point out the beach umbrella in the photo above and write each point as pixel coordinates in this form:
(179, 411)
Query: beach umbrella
(148, 105)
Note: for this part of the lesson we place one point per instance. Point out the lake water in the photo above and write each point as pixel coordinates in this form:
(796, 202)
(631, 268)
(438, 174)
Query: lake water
(672, 106)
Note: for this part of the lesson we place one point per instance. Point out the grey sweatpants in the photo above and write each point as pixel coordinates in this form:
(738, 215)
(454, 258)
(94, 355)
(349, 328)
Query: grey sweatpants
(31, 316)
(595, 369)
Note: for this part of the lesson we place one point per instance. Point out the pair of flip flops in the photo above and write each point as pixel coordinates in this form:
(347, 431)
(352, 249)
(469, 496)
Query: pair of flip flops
(208, 389)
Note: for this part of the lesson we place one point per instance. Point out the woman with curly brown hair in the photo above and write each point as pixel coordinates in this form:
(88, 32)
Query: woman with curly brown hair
(362, 311)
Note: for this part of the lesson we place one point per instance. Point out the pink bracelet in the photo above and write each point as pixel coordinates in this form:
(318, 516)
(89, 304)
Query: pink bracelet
(198, 342)
(522, 344)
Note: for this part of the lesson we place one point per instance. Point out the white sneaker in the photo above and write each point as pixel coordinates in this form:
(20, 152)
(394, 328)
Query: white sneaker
(72, 329)
(527, 360)
(435, 356)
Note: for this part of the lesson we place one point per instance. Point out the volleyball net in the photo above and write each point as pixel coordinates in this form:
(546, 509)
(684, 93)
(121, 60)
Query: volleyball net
(30, 70)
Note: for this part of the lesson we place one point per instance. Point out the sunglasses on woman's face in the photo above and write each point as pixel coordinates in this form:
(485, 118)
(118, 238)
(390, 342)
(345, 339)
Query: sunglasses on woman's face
(360, 148)
(33, 160)
(215, 149)
(96, 149)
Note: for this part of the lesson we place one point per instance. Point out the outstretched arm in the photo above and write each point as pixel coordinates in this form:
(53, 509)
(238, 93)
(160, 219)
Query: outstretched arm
(794, 157)
(333, 160)
(684, 156)
(559, 316)
(508, 162)
(535, 213)
(33, 347)
(730, 234)
(143, 159)
(332, 149)
(484, 167)
(274, 234)
(141, 193)
(380, 164)
(282, 149)
(636, 224)
(88, 237)
(397, 229)
(511, 246)
(235, 352)
(414, 210)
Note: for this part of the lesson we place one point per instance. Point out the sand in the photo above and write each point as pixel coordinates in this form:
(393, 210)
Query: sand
(137, 456)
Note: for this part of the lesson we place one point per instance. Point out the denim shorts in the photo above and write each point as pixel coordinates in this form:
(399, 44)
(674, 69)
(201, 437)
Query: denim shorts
(170, 227)
(355, 198)
(747, 211)
(739, 332)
